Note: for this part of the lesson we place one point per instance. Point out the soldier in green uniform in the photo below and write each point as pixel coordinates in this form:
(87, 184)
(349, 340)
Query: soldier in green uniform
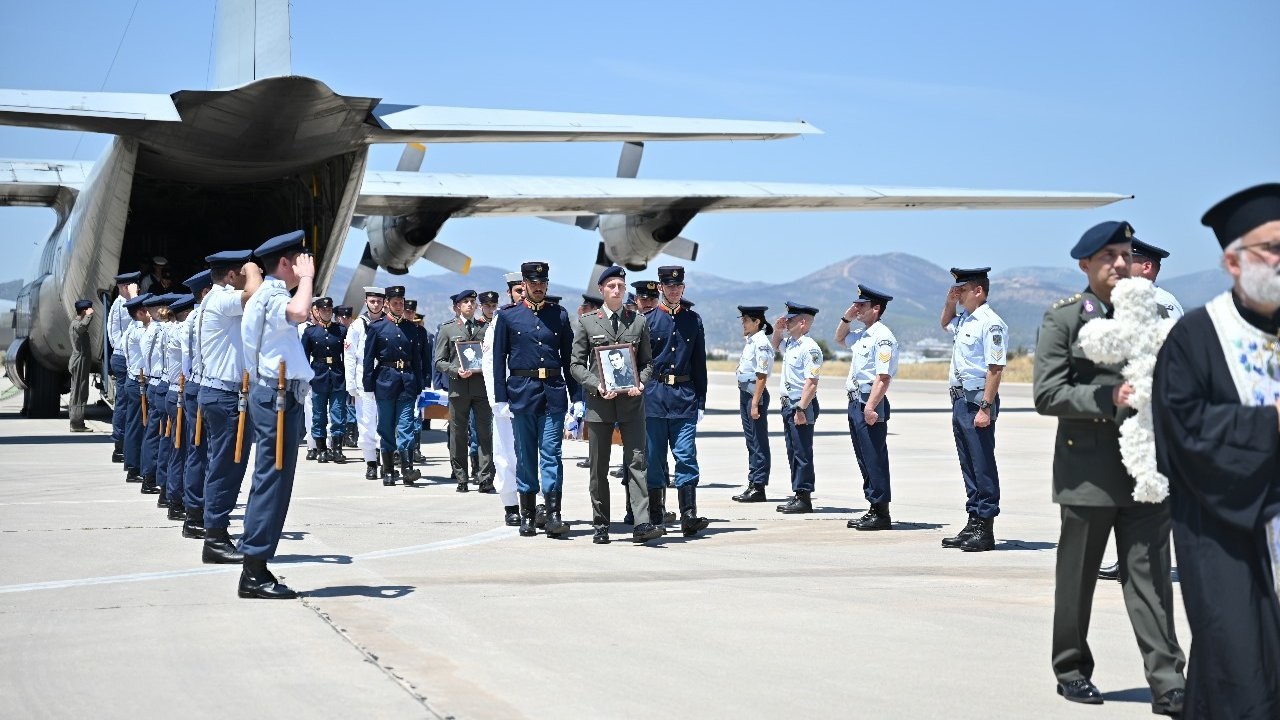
(1095, 491)
(79, 365)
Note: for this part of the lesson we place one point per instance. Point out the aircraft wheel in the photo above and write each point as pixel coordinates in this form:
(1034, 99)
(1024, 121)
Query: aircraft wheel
(44, 391)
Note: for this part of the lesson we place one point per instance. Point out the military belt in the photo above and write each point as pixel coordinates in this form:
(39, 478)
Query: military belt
(289, 385)
(539, 373)
(397, 364)
(329, 360)
(859, 396)
(673, 379)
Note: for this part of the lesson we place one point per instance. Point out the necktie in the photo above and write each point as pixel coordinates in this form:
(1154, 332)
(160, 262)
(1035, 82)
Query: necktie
(615, 323)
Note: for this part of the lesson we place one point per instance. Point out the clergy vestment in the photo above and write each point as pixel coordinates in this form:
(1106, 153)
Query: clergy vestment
(1216, 382)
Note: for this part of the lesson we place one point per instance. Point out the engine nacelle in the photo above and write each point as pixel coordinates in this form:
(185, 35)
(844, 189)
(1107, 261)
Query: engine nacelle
(399, 241)
(633, 240)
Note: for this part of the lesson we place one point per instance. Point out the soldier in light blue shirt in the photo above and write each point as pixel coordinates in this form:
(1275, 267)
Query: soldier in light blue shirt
(798, 393)
(151, 367)
(131, 393)
(754, 368)
(196, 462)
(977, 361)
(118, 321)
(278, 376)
(175, 376)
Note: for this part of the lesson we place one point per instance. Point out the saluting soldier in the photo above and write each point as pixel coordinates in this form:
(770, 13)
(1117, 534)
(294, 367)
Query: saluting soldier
(977, 361)
(78, 365)
(322, 342)
(235, 279)
(676, 399)
(196, 463)
(871, 369)
(392, 375)
(504, 447)
(607, 408)
(754, 367)
(425, 344)
(154, 473)
(273, 357)
(1095, 492)
(466, 391)
(798, 398)
(118, 321)
(175, 378)
(134, 430)
(533, 347)
(366, 406)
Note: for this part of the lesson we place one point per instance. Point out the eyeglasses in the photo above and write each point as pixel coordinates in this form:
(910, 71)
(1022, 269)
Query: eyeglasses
(1269, 249)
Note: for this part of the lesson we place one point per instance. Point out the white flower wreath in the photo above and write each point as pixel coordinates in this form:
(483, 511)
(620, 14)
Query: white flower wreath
(1134, 337)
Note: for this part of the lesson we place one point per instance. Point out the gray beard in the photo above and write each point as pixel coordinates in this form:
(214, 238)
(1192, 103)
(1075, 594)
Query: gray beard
(1260, 283)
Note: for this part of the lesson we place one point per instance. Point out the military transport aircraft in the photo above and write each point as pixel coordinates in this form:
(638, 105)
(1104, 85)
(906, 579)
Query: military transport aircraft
(268, 151)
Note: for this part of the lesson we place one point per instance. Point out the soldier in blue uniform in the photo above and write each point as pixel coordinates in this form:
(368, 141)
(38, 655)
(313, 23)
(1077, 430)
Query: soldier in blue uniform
(322, 343)
(342, 314)
(175, 377)
(393, 372)
(196, 463)
(753, 372)
(131, 340)
(676, 398)
(154, 474)
(118, 321)
(532, 352)
(221, 347)
(590, 303)
(426, 349)
(798, 396)
(273, 357)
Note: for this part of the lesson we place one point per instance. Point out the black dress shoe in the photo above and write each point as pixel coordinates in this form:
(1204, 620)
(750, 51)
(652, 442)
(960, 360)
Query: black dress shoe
(601, 536)
(511, 515)
(336, 456)
(798, 504)
(854, 523)
(462, 487)
(311, 454)
(754, 493)
(540, 516)
(785, 503)
(630, 517)
(1080, 691)
(419, 458)
(133, 476)
(258, 582)
(163, 500)
(219, 550)
(584, 463)
(645, 532)
(486, 487)
(149, 486)
(177, 512)
(117, 455)
(1170, 703)
(193, 527)
(1110, 572)
(616, 472)
(371, 470)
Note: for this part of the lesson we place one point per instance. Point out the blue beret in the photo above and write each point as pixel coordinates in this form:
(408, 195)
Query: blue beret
(964, 276)
(537, 271)
(795, 308)
(199, 281)
(613, 271)
(136, 301)
(82, 305)
(228, 258)
(871, 295)
(671, 275)
(281, 244)
(129, 277)
(1148, 250)
(459, 297)
(1100, 236)
(756, 311)
(184, 302)
(1235, 216)
(646, 288)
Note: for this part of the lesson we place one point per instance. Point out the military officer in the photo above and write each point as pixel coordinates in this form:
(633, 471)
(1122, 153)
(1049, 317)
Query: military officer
(532, 351)
(1147, 260)
(607, 408)
(590, 303)
(322, 343)
(196, 463)
(977, 361)
(392, 375)
(313, 451)
(754, 367)
(366, 406)
(154, 473)
(222, 400)
(798, 399)
(488, 304)
(278, 373)
(466, 391)
(674, 402)
(871, 369)
(134, 387)
(504, 449)
(78, 365)
(175, 378)
(118, 321)
(342, 314)
(1095, 492)
(424, 343)
(646, 294)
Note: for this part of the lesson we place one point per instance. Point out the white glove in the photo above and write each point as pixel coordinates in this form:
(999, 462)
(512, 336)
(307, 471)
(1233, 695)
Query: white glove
(579, 409)
(503, 410)
(699, 420)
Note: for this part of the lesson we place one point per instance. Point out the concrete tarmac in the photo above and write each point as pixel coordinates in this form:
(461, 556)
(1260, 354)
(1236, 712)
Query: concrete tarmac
(418, 602)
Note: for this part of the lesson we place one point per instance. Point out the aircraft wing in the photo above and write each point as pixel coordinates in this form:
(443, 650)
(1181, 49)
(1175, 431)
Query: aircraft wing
(100, 112)
(40, 183)
(435, 124)
(403, 193)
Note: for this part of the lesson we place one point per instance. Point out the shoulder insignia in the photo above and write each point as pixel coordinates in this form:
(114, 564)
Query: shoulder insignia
(1067, 301)
(600, 314)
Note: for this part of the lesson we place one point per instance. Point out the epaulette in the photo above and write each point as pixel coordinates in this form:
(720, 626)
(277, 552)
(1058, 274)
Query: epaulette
(1068, 301)
(508, 305)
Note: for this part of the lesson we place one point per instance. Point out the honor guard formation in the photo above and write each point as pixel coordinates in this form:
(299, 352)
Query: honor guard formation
(246, 363)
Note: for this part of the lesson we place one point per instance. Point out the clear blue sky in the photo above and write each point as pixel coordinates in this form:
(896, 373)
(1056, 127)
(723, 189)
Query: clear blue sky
(1174, 102)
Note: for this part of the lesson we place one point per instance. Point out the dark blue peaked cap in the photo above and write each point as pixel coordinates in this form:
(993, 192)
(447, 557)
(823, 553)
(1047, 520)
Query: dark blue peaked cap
(281, 244)
(1147, 250)
(160, 300)
(199, 281)
(184, 302)
(795, 308)
(82, 305)
(129, 277)
(869, 294)
(136, 301)
(228, 258)
(1100, 236)
(964, 276)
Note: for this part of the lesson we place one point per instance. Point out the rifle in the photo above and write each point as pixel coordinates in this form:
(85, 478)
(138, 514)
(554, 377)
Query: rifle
(280, 419)
(168, 428)
(244, 411)
(142, 391)
(177, 423)
(199, 423)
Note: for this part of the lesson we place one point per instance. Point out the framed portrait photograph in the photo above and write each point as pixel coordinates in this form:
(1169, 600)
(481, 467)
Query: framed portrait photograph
(617, 364)
(470, 354)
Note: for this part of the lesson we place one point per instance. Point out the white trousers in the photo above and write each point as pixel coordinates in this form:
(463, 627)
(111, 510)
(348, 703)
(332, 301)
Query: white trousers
(306, 420)
(504, 460)
(367, 420)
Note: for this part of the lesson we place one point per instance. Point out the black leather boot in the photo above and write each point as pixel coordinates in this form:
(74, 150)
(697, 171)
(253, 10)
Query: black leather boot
(618, 472)
(410, 474)
(475, 468)
(877, 518)
(668, 516)
(511, 515)
(193, 526)
(555, 526)
(960, 537)
(388, 468)
(311, 452)
(1109, 572)
(117, 455)
(486, 487)
(645, 531)
(321, 452)
(753, 493)
(797, 505)
(983, 537)
(218, 548)
(335, 452)
(256, 581)
(162, 500)
(418, 457)
(132, 475)
(177, 512)
(349, 438)
(584, 463)
(540, 515)
(527, 501)
(690, 523)
(149, 486)
(601, 535)
(371, 470)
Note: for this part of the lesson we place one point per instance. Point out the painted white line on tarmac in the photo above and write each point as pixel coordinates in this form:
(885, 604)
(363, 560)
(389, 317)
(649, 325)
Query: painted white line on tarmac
(479, 538)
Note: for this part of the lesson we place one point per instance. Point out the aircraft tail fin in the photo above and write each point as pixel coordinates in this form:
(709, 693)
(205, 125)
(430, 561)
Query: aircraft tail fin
(251, 41)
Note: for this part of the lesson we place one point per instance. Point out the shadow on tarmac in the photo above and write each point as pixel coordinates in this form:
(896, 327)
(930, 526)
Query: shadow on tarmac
(384, 592)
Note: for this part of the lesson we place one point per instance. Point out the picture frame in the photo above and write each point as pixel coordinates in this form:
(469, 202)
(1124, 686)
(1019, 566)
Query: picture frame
(470, 354)
(617, 367)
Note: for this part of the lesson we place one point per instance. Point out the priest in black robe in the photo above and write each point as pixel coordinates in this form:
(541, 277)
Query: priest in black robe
(1216, 405)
